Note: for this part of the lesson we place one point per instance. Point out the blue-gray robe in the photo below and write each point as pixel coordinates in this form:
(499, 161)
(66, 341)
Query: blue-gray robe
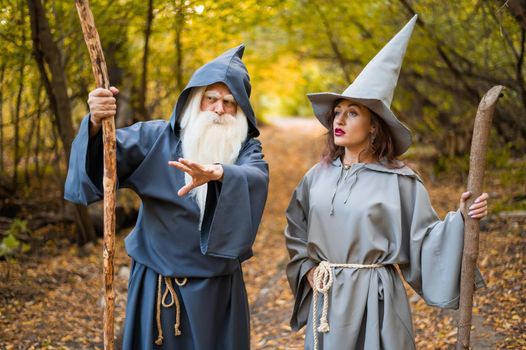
(166, 239)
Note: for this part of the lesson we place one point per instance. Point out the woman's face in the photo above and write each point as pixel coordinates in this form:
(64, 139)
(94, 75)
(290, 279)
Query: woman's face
(352, 125)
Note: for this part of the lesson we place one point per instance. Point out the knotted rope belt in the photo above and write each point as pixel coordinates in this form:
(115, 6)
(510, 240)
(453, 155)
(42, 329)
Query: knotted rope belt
(161, 300)
(323, 279)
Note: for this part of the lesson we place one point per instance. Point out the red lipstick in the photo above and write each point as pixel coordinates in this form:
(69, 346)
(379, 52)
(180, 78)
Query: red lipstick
(339, 132)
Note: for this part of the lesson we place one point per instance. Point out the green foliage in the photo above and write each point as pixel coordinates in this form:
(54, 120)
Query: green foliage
(11, 245)
(294, 47)
(512, 176)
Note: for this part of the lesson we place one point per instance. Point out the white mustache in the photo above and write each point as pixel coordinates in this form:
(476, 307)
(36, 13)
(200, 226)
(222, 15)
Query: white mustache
(219, 119)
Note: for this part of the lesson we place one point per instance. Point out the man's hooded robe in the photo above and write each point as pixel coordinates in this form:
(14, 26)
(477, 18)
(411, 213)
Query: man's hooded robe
(166, 240)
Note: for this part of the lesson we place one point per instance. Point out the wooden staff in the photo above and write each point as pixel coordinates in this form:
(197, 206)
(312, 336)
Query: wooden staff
(109, 181)
(477, 165)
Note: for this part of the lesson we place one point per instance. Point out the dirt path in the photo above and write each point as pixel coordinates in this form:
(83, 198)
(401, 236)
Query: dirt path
(52, 300)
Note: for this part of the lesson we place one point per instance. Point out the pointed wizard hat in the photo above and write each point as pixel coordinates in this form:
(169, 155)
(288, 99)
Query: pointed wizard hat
(374, 88)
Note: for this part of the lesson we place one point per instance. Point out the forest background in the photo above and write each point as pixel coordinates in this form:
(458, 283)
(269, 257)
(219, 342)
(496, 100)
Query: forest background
(459, 50)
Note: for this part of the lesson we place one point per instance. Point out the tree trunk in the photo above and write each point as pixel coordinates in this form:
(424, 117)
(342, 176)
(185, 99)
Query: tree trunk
(518, 10)
(450, 62)
(518, 71)
(342, 61)
(2, 72)
(29, 137)
(179, 26)
(38, 136)
(143, 110)
(48, 55)
(16, 126)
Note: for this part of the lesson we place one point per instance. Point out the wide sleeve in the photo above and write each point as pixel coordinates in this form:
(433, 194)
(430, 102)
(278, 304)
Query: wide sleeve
(434, 247)
(296, 237)
(234, 206)
(85, 170)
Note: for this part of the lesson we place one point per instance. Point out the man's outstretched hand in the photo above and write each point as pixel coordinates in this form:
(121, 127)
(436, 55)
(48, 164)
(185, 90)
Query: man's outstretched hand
(201, 174)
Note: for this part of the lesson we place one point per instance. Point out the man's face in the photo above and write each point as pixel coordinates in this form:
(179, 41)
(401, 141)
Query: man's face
(218, 99)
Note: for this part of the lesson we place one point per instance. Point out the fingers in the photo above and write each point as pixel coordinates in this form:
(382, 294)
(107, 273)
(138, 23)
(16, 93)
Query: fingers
(482, 197)
(200, 174)
(96, 108)
(185, 189)
(98, 116)
(188, 187)
(464, 197)
(102, 104)
(101, 100)
(191, 165)
(101, 92)
(180, 166)
(114, 90)
(476, 206)
(479, 208)
(478, 214)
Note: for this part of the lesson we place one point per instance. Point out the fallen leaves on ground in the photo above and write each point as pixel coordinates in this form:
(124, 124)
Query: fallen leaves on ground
(53, 299)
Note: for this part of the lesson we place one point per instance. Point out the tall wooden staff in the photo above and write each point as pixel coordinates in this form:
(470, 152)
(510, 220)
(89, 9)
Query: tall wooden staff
(477, 165)
(109, 182)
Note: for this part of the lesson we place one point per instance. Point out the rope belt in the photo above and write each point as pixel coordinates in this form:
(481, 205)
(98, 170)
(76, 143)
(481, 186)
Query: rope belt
(323, 279)
(161, 300)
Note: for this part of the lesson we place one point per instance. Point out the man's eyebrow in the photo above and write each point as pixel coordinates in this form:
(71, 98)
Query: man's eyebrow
(229, 98)
(212, 93)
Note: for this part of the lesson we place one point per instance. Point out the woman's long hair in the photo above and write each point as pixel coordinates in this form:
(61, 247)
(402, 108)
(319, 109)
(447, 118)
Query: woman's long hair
(380, 146)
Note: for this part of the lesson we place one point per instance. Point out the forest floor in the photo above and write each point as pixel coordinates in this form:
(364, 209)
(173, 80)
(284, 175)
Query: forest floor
(52, 298)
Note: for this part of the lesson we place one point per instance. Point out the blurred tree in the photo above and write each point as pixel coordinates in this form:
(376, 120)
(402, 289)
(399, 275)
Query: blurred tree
(48, 58)
(458, 51)
(518, 10)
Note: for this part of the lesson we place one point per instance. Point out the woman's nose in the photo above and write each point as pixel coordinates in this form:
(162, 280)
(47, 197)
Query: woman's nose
(338, 119)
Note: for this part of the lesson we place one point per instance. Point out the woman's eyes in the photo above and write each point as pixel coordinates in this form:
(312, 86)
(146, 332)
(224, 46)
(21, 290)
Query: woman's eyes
(350, 114)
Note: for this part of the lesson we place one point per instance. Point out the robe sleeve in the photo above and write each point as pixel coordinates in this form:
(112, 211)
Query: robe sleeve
(296, 237)
(85, 170)
(434, 247)
(234, 206)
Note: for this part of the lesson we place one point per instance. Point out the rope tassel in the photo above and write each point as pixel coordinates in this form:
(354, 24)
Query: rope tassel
(161, 300)
(322, 283)
(323, 279)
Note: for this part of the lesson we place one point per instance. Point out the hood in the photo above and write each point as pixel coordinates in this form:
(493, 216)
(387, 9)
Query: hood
(230, 70)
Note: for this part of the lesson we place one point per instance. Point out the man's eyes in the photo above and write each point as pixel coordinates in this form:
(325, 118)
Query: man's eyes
(214, 99)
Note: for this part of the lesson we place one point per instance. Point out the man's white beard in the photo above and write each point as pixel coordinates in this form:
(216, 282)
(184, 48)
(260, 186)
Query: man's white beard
(208, 138)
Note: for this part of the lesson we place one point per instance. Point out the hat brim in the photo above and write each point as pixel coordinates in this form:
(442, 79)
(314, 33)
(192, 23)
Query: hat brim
(322, 104)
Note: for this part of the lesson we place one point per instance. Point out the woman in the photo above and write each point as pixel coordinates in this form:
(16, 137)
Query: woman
(358, 213)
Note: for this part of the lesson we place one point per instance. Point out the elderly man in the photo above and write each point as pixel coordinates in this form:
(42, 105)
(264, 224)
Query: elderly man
(203, 185)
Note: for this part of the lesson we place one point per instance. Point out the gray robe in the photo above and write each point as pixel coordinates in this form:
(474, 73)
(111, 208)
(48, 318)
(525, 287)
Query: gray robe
(370, 214)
